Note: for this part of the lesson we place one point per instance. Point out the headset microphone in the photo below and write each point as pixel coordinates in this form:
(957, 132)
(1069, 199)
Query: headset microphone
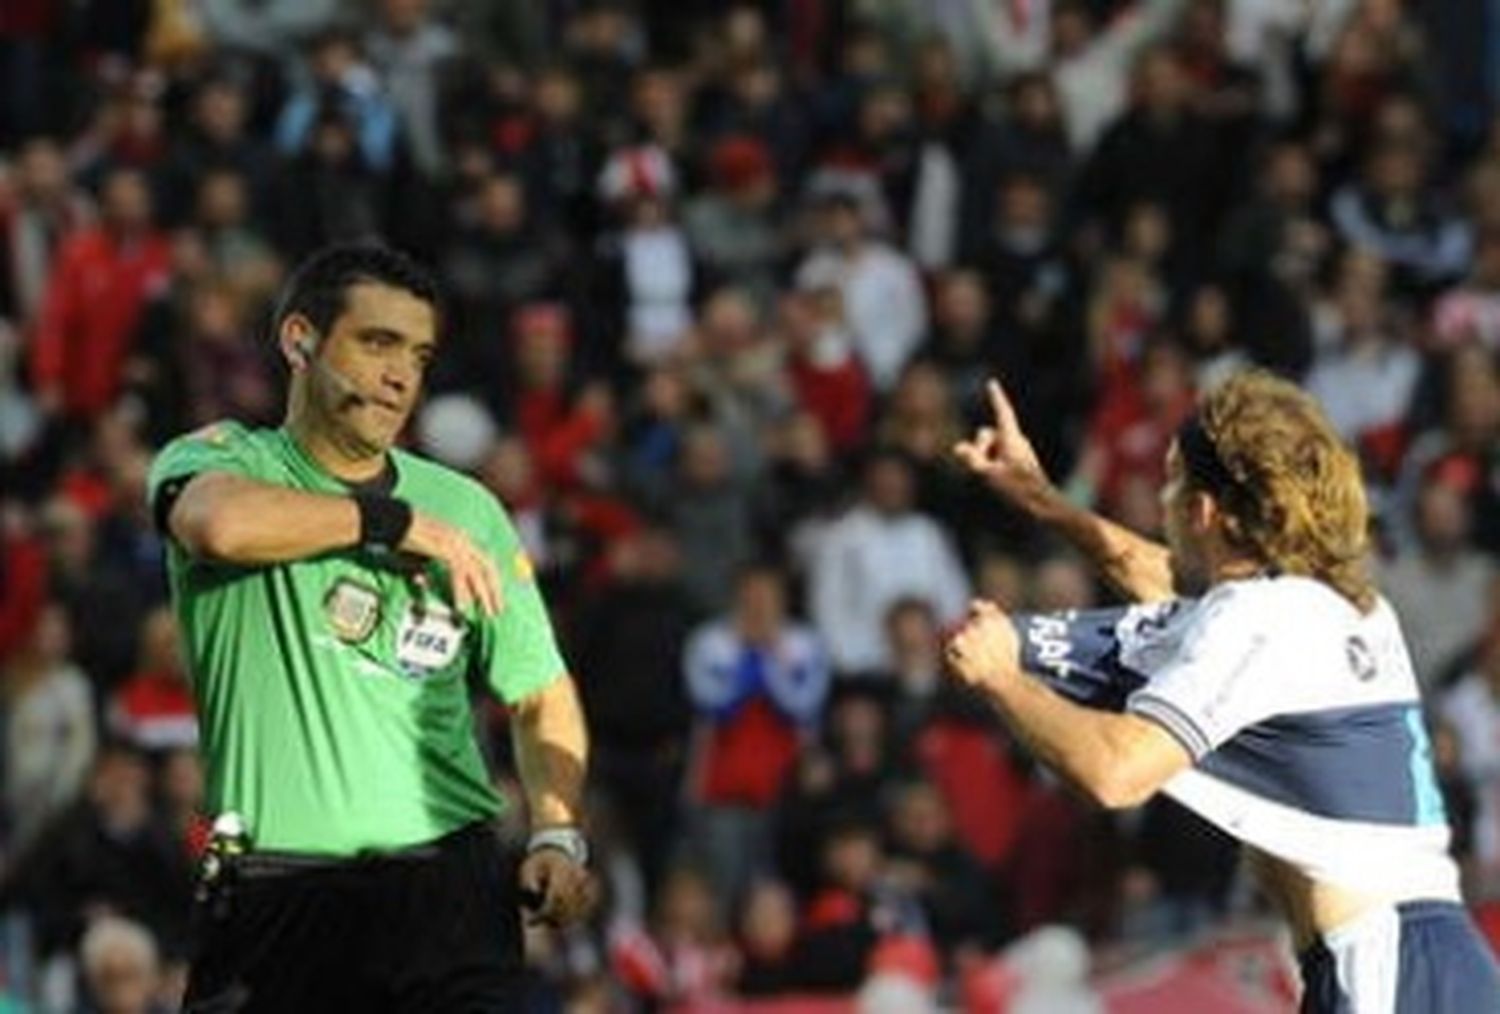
(348, 392)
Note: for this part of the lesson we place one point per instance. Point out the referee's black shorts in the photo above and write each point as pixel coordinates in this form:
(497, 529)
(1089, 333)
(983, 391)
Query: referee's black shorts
(433, 929)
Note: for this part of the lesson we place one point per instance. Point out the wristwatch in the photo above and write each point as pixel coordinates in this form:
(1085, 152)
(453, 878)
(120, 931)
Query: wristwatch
(567, 840)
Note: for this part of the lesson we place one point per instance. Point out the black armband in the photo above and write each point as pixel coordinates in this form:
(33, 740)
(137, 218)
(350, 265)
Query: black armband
(166, 498)
(383, 521)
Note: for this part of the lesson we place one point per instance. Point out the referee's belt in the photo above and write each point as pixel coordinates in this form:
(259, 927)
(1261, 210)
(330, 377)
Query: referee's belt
(268, 865)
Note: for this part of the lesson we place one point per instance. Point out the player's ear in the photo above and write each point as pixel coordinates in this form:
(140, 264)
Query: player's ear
(1202, 511)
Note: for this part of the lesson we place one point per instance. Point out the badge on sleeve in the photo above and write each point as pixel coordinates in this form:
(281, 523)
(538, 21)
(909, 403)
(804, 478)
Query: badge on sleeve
(428, 638)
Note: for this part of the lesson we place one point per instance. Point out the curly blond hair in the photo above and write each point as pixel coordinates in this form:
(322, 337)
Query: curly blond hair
(1298, 501)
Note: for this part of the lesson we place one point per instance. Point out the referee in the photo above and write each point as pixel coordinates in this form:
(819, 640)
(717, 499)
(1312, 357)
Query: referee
(339, 597)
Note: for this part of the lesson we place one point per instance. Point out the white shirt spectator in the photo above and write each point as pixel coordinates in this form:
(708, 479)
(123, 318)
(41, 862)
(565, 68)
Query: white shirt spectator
(884, 304)
(1094, 83)
(659, 282)
(864, 562)
(49, 745)
(1366, 386)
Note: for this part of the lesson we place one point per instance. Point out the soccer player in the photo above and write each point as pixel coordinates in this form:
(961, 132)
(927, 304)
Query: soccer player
(339, 597)
(1279, 704)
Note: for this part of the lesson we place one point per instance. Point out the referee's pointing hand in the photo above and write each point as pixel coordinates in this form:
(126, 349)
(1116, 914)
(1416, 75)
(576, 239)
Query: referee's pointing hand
(562, 891)
(473, 575)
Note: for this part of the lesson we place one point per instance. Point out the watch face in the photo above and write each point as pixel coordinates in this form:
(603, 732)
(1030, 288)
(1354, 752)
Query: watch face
(566, 840)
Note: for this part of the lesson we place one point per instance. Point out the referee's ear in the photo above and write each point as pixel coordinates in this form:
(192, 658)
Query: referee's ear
(298, 340)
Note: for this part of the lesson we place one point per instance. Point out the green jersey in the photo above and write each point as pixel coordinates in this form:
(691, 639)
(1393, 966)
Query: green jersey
(333, 692)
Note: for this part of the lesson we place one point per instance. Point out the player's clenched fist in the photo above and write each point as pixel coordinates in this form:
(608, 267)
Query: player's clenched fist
(985, 649)
(473, 575)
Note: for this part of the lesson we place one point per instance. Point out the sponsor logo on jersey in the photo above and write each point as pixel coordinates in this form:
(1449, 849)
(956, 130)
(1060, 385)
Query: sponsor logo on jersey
(1361, 659)
(353, 610)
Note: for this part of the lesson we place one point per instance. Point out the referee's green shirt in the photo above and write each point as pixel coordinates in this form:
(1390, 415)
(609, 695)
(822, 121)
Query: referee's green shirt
(333, 692)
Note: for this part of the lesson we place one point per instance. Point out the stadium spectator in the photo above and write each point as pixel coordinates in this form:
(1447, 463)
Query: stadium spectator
(883, 303)
(684, 956)
(757, 681)
(411, 52)
(102, 280)
(339, 86)
(109, 852)
(121, 968)
(731, 226)
(1391, 213)
(1438, 588)
(499, 259)
(1470, 311)
(39, 208)
(49, 729)
(823, 367)
(1364, 374)
(628, 640)
(880, 550)
(957, 897)
(153, 709)
(1471, 709)
(219, 138)
(767, 937)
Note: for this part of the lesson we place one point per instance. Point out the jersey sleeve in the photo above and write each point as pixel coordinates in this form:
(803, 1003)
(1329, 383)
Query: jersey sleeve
(1217, 679)
(217, 447)
(518, 652)
(1077, 652)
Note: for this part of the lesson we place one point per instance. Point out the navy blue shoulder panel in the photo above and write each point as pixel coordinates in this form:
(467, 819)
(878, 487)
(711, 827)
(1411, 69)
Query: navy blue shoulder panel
(1357, 763)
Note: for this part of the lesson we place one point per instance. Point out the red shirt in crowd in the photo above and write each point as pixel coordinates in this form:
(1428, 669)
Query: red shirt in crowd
(154, 710)
(89, 315)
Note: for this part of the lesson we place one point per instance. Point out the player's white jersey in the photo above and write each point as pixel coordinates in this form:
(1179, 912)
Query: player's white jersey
(1302, 716)
(1304, 720)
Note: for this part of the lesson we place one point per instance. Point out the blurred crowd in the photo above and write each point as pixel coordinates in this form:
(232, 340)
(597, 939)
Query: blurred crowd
(725, 281)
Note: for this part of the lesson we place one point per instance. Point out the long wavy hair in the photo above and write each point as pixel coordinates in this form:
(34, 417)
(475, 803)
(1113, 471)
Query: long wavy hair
(1298, 501)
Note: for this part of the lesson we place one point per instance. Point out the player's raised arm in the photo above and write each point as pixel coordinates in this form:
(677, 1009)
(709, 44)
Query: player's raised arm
(1002, 455)
(234, 519)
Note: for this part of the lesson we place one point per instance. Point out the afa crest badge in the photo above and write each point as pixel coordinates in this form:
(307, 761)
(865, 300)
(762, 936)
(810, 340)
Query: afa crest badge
(352, 609)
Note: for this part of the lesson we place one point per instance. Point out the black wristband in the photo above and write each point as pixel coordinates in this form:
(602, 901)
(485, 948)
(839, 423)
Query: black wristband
(383, 521)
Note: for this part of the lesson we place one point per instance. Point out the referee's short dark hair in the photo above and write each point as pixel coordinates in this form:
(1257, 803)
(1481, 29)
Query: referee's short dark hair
(318, 288)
